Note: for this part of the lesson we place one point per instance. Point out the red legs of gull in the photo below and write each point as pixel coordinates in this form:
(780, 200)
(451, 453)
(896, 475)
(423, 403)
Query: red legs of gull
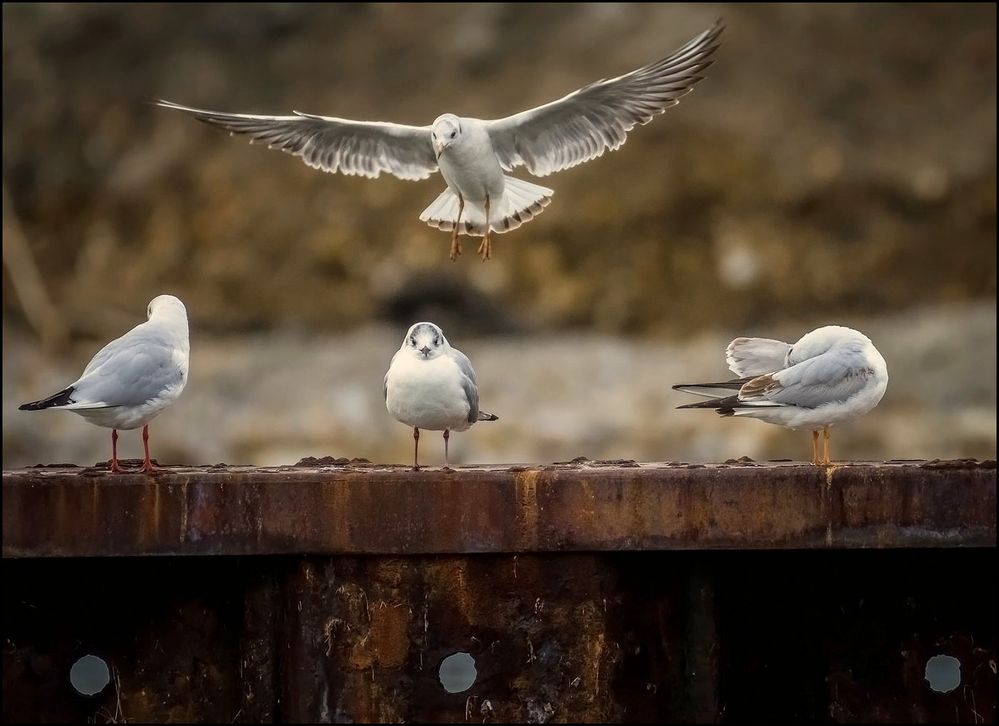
(447, 435)
(455, 242)
(825, 446)
(815, 448)
(416, 449)
(147, 464)
(486, 247)
(115, 469)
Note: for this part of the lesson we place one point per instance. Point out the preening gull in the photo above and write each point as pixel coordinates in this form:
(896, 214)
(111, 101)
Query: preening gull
(830, 376)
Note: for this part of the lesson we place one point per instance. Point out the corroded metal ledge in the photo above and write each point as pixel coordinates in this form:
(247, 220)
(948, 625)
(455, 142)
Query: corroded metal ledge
(340, 507)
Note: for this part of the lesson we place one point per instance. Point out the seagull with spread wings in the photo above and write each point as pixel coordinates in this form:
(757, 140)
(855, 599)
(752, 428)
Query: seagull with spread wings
(473, 154)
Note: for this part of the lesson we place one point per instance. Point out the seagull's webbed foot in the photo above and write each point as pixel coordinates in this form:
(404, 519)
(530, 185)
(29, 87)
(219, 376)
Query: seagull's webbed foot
(486, 248)
(455, 245)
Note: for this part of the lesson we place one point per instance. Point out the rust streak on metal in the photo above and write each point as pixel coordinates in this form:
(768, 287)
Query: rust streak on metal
(358, 509)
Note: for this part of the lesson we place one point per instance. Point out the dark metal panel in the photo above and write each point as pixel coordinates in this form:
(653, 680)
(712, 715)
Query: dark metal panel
(639, 637)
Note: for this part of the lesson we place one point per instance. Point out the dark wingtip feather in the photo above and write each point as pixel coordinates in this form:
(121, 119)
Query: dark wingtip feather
(483, 416)
(58, 399)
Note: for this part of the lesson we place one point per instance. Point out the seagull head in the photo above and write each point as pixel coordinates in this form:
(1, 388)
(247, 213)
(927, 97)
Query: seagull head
(166, 305)
(425, 341)
(445, 131)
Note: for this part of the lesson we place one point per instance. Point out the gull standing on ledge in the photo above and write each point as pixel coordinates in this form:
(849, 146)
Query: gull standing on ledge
(472, 154)
(430, 385)
(830, 376)
(132, 379)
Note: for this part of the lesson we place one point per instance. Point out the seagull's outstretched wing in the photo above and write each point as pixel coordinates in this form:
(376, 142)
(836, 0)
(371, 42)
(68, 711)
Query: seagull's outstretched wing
(587, 122)
(334, 144)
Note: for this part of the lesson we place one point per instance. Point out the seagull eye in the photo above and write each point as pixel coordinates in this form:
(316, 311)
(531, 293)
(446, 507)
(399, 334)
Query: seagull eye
(412, 340)
(453, 134)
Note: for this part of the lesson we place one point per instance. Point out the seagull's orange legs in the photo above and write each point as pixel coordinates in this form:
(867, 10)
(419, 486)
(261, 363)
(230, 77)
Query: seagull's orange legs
(147, 464)
(115, 468)
(416, 449)
(455, 242)
(486, 247)
(815, 448)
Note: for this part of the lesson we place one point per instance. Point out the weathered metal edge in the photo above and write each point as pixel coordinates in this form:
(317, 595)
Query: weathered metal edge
(583, 506)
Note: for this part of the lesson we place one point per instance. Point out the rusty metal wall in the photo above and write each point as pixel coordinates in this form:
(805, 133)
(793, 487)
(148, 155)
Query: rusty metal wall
(643, 629)
(637, 637)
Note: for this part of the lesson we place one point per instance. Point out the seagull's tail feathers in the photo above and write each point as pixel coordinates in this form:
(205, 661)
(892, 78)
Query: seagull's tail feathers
(483, 416)
(521, 202)
(63, 398)
(722, 400)
(712, 390)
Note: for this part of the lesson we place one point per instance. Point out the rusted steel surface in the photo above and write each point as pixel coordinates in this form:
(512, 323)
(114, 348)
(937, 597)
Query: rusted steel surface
(640, 637)
(360, 508)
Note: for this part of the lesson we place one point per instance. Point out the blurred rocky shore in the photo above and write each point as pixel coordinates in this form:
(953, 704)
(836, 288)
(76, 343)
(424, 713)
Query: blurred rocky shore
(840, 157)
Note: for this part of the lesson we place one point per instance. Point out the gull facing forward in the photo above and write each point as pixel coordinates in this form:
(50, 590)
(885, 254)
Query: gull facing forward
(831, 376)
(133, 378)
(430, 385)
(472, 154)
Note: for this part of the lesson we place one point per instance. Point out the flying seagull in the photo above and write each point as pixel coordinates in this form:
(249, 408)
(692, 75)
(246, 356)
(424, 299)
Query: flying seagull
(133, 378)
(831, 376)
(473, 154)
(430, 385)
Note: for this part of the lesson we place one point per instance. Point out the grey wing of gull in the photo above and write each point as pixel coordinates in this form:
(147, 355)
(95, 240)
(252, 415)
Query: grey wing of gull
(385, 380)
(835, 376)
(472, 394)
(468, 382)
(598, 117)
(464, 364)
(334, 144)
(132, 370)
(112, 349)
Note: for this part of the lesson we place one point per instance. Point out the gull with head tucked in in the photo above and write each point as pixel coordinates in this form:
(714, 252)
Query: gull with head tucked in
(133, 378)
(473, 154)
(830, 376)
(430, 385)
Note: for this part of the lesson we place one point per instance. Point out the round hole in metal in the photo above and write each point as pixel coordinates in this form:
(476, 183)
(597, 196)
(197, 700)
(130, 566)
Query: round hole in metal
(89, 675)
(457, 672)
(943, 672)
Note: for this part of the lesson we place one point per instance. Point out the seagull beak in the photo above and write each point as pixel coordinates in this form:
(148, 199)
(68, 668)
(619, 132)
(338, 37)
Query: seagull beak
(438, 148)
(425, 350)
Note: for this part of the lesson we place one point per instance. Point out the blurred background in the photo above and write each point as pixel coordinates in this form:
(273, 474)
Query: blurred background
(836, 165)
